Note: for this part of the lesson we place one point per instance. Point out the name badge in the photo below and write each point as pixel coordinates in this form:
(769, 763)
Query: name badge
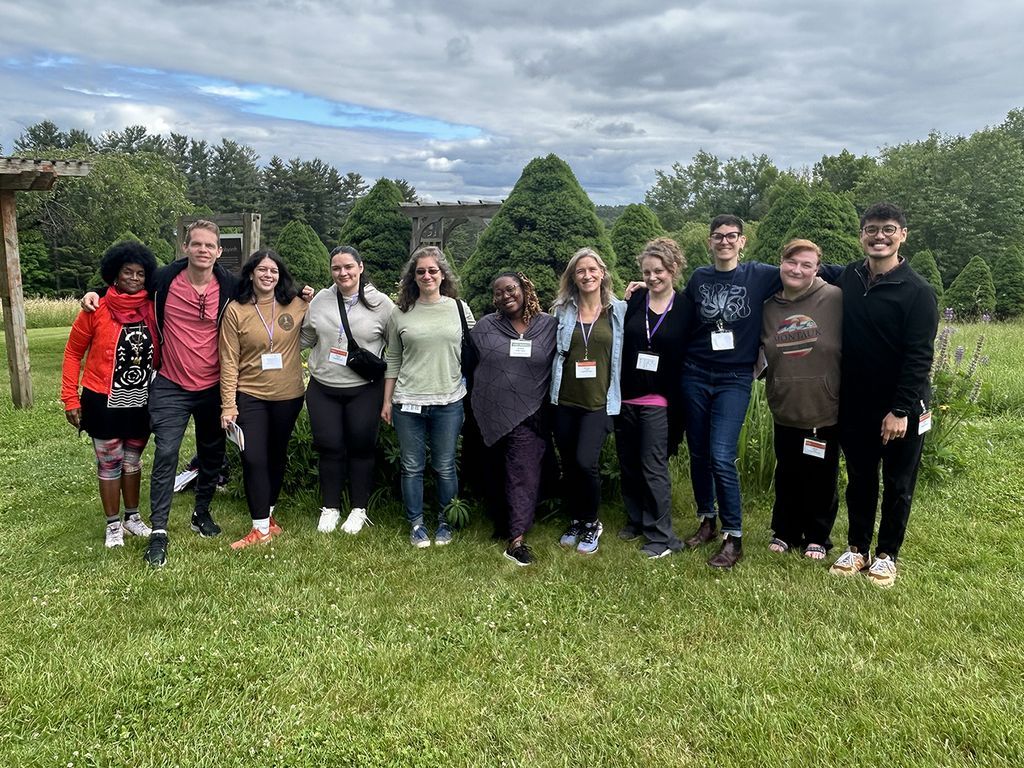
(520, 347)
(647, 361)
(586, 369)
(722, 340)
(815, 448)
(924, 422)
(272, 361)
(338, 356)
(411, 408)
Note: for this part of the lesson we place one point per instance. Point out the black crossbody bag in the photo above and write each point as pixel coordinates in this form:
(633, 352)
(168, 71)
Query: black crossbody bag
(362, 361)
(470, 355)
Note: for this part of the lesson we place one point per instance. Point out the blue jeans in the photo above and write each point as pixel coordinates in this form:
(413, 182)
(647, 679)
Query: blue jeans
(716, 405)
(437, 426)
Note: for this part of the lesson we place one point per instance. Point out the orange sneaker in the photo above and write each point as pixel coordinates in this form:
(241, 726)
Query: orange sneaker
(252, 537)
(275, 529)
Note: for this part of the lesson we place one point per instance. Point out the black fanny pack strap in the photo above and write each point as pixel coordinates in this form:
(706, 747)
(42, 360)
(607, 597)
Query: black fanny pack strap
(353, 345)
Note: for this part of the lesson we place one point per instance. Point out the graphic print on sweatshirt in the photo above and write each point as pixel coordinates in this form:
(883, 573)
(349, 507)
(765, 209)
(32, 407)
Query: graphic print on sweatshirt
(725, 302)
(796, 335)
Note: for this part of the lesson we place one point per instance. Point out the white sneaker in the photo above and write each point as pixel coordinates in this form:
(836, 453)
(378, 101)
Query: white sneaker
(115, 536)
(134, 526)
(355, 521)
(850, 563)
(882, 572)
(328, 519)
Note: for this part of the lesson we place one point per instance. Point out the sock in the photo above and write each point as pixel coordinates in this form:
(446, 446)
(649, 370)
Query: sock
(113, 519)
(130, 513)
(263, 526)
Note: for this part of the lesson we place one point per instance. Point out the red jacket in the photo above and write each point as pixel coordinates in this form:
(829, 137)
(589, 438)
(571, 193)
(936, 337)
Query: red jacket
(96, 332)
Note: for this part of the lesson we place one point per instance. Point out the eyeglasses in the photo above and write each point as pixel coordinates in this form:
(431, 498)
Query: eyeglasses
(421, 271)
(873, 229)
(512, 290)
(729, 237)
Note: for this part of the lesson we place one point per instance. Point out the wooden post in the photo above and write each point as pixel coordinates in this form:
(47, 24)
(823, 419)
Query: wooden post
(15, 332)
(251, 223)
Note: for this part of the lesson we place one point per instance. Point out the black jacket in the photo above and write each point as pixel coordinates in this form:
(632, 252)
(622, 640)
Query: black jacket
(888, 344)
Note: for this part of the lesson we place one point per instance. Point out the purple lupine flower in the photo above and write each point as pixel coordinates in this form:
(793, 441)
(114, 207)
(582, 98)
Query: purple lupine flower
(986, 317)
(983, 360)
(948, 314)
(959, 354)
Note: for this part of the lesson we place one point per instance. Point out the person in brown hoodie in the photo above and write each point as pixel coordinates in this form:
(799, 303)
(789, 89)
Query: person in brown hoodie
(802, 337)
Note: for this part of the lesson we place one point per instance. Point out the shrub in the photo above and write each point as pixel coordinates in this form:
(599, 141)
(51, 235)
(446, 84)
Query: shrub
(777, 222)
(923, 262)
(972, 294)
(380, 231)
(304, 254)
(829, 220)
(632, 231)
(1008, 280)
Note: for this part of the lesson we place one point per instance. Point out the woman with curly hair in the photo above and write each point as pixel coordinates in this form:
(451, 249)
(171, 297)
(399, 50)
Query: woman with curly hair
(123, 347)
(516, 345)
(423, 385)
(261, 381)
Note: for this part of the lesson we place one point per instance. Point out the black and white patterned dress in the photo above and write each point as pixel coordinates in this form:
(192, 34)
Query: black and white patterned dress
(123, 413)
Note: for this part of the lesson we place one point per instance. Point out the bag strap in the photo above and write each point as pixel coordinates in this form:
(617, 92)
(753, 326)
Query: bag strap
(462, 318)
(353, 345)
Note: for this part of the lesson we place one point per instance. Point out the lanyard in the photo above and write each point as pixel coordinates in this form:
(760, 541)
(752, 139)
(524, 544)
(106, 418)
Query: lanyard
(273, 318)
(657, 325)
(585, 332)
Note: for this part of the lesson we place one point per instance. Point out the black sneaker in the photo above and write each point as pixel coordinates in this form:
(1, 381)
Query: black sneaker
(520, 554)
(156, 552)
(202, 523)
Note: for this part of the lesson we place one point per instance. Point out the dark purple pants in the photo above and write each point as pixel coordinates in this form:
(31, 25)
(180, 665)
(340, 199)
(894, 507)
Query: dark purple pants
(515, 463)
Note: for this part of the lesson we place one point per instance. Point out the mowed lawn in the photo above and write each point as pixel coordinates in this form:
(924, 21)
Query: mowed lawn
(360, 651)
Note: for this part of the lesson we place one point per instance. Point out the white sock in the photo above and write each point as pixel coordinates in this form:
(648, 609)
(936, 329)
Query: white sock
(263, 526)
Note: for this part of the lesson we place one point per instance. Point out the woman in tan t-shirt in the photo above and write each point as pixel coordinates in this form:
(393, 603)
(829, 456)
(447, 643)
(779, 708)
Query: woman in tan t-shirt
(261, 382)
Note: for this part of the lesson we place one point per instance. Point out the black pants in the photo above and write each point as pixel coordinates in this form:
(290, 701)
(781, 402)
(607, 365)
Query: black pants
(344, 422)
(268, 426)
(806, 499)
(863, 449)
(580, 435)
(170, 407)
(641, 439)
(513, 469)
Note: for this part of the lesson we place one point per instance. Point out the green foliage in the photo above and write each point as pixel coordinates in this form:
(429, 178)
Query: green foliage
(163, 250)
(380, 232)
(841, 173)
(1008, 279)
(755, 455)
(545, 219)
(36, 267)
(632, 231)
(923, 262)
(830, 221)
(304, 254)
(972, 294)
(793, 198)
(693, 242)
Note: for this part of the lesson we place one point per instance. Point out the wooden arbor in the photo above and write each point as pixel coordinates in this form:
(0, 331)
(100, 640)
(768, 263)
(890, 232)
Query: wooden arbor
(432, 223)
(22, 175)
(237, 248)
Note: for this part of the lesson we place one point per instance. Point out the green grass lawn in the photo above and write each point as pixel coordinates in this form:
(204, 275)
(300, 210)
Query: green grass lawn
(342, 651)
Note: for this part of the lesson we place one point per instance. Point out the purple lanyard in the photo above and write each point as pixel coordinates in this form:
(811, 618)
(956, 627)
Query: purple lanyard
(657, 325)
(273, 319)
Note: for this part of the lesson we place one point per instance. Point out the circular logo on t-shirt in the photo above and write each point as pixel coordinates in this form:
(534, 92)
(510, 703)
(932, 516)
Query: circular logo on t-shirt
(796, 335)
(286, 322)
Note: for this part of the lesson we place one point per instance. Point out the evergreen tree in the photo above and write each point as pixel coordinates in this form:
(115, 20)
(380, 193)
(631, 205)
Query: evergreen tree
(923, 262)
(36, 269)
(831, 221)
(234, 178)
(632, 231)
(693, 242)
(380, 232)
(779, 219)
(1008, 277)
(545, 219)
(972, 293)
(304, 254)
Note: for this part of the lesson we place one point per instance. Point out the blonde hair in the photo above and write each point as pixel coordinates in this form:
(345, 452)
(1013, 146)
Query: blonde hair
(795, 246)
(667, 250)
(567, 288)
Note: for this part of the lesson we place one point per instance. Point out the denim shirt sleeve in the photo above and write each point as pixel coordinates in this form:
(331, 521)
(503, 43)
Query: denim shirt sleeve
(566, 315)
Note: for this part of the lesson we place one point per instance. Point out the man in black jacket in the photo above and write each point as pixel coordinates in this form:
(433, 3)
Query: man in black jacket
(890, 317)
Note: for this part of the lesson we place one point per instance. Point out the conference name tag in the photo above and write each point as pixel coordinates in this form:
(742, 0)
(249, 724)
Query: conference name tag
(520, 347)
(586, 369)
(924, 422)
(815, 448)
(272, 361)
(722, 340)
(411, 408)
(647, 361)
(338, 356)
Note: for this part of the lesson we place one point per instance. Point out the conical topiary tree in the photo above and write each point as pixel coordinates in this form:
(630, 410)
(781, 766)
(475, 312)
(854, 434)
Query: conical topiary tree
(300, 248)
(631, 232)
(923, 262)
(693, 242)
(545, 219)
(775, 225)
(1008, 279)
(831, 221)
(380, 232)
(972, 293)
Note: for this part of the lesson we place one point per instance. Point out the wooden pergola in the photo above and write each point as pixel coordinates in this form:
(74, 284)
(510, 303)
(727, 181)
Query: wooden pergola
(22, 174)
(432, 223)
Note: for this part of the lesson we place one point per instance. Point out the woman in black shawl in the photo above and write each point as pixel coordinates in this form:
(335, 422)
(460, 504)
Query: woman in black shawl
(510, 387)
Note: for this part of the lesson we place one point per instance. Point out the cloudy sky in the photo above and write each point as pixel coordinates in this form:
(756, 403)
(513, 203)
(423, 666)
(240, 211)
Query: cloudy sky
(458, 95)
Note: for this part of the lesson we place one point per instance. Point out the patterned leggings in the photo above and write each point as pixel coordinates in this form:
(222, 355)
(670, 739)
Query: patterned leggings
(116, 456)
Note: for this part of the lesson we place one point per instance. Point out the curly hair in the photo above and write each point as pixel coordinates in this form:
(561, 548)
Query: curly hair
(409, 291)
(567, 288)
(667, 251)
(127, 252)
(284, 291)
(531, 304)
